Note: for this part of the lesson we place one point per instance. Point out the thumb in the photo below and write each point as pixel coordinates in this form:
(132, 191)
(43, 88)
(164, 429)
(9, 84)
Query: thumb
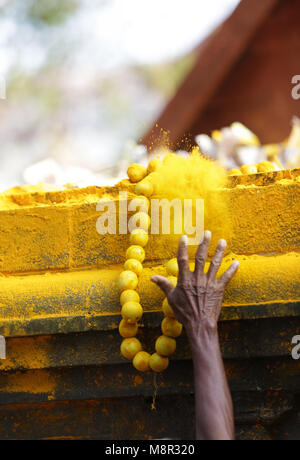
(163, 283)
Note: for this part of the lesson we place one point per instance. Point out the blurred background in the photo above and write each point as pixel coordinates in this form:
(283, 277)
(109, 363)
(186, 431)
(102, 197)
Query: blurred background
(86, 82)
(86, 78)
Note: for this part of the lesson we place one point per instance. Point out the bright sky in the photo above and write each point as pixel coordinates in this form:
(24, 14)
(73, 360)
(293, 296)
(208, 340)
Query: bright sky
(147, 31)
(111, 33)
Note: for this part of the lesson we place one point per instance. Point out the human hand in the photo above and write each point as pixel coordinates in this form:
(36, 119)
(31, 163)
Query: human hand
(197, 298)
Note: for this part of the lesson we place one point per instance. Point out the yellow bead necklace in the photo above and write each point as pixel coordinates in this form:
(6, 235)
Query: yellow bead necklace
(132, 311)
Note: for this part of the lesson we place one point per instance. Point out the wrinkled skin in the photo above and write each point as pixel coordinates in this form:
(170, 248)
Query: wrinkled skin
(197, 302)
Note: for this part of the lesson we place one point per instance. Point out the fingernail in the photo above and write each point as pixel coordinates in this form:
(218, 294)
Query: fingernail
(184, 239)
(223, 243)
(207, 234)
(236, 264)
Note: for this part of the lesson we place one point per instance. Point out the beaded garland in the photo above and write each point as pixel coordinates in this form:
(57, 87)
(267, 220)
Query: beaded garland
(132, 311)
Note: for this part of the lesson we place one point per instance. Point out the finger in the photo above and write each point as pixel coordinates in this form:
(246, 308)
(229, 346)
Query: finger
(230, 272)
(163, 283)
(216, 260)
(201, 254)
(183, 259)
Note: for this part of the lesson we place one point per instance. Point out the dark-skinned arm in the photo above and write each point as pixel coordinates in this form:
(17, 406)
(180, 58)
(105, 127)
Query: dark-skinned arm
(197, 302)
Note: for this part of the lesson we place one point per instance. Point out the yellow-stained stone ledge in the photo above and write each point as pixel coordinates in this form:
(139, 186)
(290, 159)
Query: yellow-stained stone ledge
(56, 230)
(63, 302)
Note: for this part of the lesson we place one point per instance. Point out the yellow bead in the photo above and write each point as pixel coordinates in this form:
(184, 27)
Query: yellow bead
(271, 150)
(136, 173)
(128, 280)
(130, 347)
(165, 346)
(172, 267)
(249, 169)
(134, 266)
(144, 188)
(173, 281)
(171, 328)
(158, 363)
(127, 330)
(139, 237)
(265, 166)
(140, 204)
(154, 178)
(136, 252)
(235, 172)
(167, 309)
(217, 135)
(142, 221)
(132, 312)
(154, 165)
(141, 361)
(129, 296)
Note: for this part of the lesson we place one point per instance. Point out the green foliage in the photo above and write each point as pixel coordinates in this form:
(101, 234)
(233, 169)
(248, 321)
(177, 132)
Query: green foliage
(51, 12)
